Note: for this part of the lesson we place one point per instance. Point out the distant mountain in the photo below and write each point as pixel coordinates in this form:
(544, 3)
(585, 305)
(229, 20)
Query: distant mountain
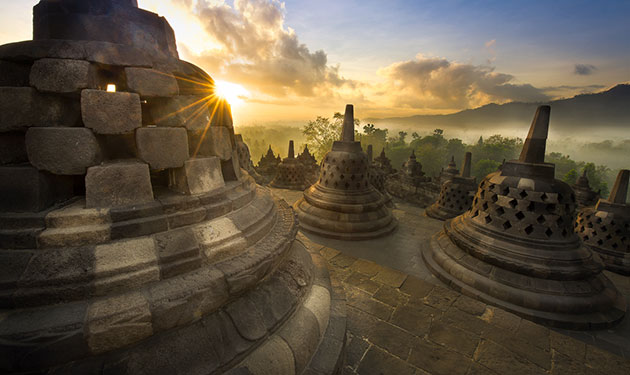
(606, 112)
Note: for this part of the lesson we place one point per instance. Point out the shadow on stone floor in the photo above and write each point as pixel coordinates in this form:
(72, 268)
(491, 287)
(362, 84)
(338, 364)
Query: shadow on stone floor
(402, 251)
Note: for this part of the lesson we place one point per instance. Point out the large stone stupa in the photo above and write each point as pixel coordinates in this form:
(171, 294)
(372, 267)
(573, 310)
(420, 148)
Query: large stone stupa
(290, 173)
(343, 204)
(605, 228)
(515, 248)
(131, 242)
(456, 194)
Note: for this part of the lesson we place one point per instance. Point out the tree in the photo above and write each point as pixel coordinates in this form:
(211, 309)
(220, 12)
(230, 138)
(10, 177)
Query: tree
(369, 129)
(415, 135)
(570, 177)
(321, 133)
(484, 167)
(401, 137)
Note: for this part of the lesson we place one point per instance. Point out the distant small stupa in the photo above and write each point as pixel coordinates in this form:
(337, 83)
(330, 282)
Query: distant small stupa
(456, 194)
(290, 173)
(605, 228)
(584, 195)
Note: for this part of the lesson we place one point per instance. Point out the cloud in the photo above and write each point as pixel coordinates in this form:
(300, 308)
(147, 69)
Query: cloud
(584, 69)
(491, 48)
(434, 82)
(260, 51)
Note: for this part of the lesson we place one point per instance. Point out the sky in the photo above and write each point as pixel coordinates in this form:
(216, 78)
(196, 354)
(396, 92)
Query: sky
(291, 61)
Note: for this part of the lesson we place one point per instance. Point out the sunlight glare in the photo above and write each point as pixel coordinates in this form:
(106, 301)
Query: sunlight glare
(234, 93)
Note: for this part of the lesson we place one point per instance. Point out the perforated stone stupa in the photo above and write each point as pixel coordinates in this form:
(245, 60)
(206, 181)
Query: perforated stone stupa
(268, 165)
(456, 194)
(515, 248)
(584, 195)
(311, 171)
(290, 173)
(343, 204)
(131, 242)
(450, 171)
(605, 228)
(411, 184)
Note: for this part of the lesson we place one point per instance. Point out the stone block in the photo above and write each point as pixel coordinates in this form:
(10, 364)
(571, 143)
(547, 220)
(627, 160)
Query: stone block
(184, 110)
(162, 147)
(12, 148)
(221, 113)
(23, 107)
(25, 189)
(216, 141)
(151, 83)
(198, 176)
(64, 151)
(111, 112)
(117, 322)
(118, 184)
(14, 73)
(60, 75)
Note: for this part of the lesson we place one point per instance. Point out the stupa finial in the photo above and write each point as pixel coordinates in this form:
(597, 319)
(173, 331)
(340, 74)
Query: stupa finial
(291, 150)
(619, 192)
(536, 142)
(467, 164)
(348, 124)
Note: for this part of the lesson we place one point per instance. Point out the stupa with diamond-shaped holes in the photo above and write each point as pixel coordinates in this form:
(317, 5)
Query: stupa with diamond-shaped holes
(515, 247)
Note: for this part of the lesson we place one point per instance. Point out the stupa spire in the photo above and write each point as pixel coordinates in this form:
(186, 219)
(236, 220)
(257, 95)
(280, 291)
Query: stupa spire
(536, 142)
(291, 150)
(467, 164)
(348, 124)
(619, 192)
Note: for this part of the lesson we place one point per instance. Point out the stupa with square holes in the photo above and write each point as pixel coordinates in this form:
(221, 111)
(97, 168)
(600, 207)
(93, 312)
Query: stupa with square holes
(131, 242)
(456, 194)
(584, 194)
(605, 228)
(515, 248)
(343, 204)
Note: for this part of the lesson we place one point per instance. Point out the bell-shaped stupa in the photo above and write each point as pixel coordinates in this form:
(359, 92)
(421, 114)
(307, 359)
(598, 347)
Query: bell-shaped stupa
(130, 240)
(343, 204)
(268, 165)
(384, 164)
(584, 194)
(450, 171)
(309, 162)
(605, 228)
(290, 173)
(515, 248)
(456, 194)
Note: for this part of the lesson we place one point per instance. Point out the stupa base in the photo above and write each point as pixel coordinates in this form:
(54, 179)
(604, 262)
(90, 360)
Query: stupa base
(439, 212)
(528, 297)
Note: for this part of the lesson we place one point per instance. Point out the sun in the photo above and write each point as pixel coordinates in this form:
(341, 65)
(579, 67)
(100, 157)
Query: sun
(234, 93)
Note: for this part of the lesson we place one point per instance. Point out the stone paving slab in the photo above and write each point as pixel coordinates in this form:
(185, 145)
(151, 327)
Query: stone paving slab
(400, 324)
(402, 251)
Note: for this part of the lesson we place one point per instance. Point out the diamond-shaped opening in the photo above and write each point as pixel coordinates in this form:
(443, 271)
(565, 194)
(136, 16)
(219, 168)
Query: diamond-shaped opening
(603, 228)
(529, 229)
(564, 233)
(548, 232)
(614, 246)
(506, 190)
(598, 220)
(608, 237)
(500, 211)
(600, 242)
(585, 238)
(342, 176)
(491, 186)
(347, 185)
(544, 197)
(523, 194)
(507, 225)
(475, 213)
(581, 229)
(589, 225)
(513, 203)
(494, 198)
(531, 207)
(485, 206)
(540, 219)
(519, 215)
(488, 219)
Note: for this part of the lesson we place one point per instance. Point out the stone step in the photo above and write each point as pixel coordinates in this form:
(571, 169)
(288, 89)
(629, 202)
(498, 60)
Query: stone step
(76, 215)
(25, 238)
(74, 236)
